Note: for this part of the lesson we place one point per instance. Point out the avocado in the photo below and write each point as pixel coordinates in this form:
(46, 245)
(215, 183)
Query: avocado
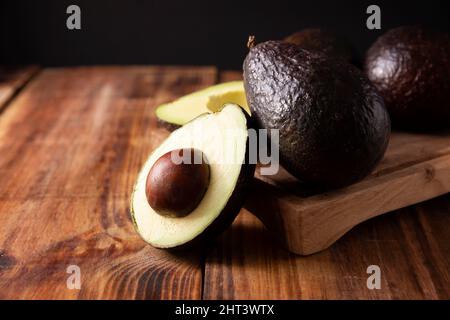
(333, 126)
(175, 114)
(410, 67)
(326, 42)
(212, 194)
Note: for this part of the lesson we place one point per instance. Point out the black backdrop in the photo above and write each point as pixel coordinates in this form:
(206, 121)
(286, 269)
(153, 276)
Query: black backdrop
(186, 32)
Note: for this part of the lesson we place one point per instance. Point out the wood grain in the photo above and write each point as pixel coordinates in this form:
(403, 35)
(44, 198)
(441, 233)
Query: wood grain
(12, 79)
(308, 223)
(411, 246)
(72, 144)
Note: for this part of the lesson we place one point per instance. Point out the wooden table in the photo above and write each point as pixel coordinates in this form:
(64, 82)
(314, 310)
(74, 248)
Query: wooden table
(72, 141)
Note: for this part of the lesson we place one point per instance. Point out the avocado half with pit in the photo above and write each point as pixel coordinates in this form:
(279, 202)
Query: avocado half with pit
(180, 201)
(179, 112)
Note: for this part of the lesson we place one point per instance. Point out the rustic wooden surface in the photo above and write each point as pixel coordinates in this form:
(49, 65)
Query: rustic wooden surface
(411, 246)
(71, 144)
(12, 79)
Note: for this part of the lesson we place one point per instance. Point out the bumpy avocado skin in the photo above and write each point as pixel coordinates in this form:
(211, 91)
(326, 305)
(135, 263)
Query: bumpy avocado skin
(332, 123)
(167, 125)
(326, 42)
(410, 67)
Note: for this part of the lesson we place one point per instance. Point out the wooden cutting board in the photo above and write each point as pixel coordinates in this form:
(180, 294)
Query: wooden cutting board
(415, 168)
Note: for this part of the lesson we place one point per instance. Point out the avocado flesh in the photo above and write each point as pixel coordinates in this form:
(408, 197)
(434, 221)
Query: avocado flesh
(223, 199)
(208, 100)
(333, 126)
(410, 67)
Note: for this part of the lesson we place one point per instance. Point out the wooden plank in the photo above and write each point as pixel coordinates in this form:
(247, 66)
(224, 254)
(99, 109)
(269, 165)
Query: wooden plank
(71, 146)
(13, 79)
(411, 246)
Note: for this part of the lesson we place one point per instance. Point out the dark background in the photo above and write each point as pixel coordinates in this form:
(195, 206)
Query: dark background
(186, 32)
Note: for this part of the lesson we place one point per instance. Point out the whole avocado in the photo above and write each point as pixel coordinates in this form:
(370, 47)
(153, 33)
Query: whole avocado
(333, 126)
(410, 67)
(326, 42)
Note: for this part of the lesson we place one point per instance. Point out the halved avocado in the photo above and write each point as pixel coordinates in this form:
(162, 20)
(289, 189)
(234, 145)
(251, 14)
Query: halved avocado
(211, 99)
(222, 137)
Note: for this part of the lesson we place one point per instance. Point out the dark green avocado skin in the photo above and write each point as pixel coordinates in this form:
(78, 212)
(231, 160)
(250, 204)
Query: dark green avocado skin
(332, 123)
(410, 67)
(326, 42)
(167, 125)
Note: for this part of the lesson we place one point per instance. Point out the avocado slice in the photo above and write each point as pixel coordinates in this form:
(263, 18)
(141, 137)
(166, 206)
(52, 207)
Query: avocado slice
(325, 41)
(175, 114)
(410, 67)
(333, 125)
(222, 137)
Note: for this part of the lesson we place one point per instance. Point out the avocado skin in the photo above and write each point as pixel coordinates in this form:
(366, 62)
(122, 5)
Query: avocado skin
(332, 123)
(167, 125)
(326, 42)
(410, 67)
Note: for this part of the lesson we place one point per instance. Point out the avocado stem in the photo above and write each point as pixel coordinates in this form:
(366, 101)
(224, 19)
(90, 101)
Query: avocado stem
(251, 42)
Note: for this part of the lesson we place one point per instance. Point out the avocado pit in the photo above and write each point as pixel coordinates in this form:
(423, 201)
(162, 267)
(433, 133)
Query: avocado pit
(177, 182)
